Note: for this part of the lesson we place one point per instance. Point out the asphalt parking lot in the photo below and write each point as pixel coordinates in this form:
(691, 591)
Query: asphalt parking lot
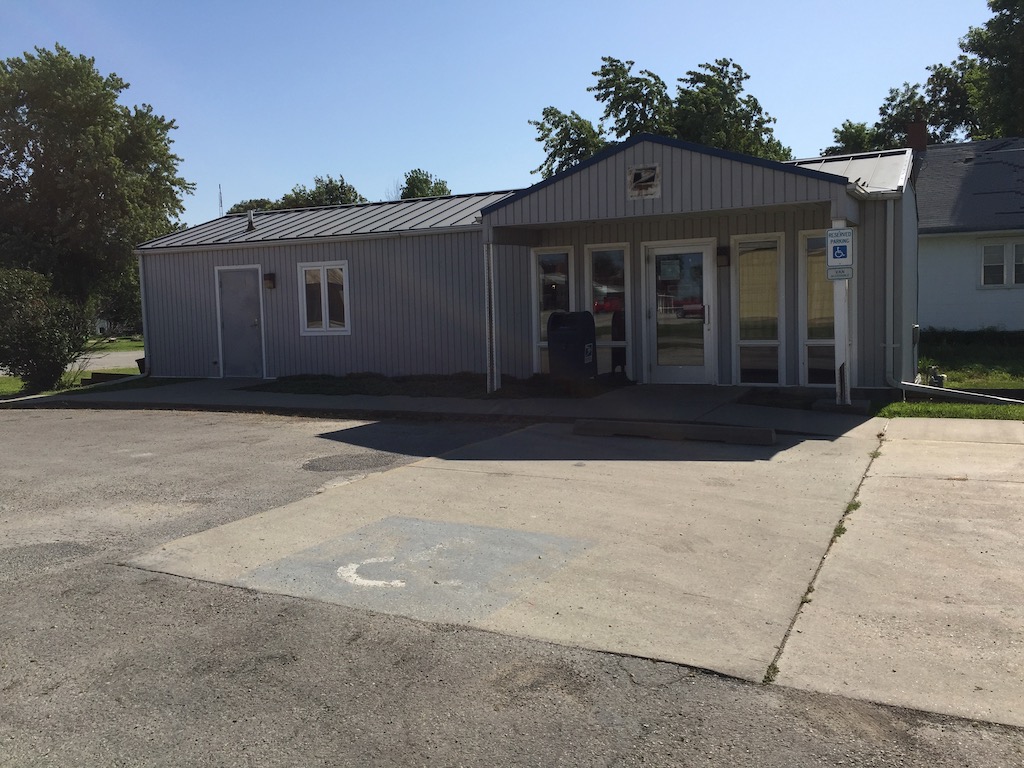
(228, 577)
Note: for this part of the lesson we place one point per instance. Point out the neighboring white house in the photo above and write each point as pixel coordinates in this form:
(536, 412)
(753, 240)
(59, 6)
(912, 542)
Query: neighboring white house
(970, 201)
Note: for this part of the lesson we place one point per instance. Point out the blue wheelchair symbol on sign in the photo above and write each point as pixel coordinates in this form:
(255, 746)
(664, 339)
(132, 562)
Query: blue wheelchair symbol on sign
(839, 252)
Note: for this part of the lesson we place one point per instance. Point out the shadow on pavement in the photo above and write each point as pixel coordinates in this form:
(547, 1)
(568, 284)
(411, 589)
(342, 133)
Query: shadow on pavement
(543, 442)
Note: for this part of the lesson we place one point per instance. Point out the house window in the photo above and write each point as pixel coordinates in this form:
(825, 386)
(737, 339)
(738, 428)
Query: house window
(1002, 264)
(992, 265)
(552, 293)
(323, 298)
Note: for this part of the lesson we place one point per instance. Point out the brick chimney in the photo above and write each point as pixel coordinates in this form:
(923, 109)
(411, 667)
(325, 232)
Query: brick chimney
(917, 132)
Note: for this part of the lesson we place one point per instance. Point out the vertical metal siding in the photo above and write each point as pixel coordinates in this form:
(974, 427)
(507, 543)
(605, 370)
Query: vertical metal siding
(416, 306)
(691, 182)
(870, 281)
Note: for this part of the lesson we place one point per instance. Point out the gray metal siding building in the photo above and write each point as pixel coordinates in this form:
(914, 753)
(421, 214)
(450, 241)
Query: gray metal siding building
(707, 207)
(699, 266)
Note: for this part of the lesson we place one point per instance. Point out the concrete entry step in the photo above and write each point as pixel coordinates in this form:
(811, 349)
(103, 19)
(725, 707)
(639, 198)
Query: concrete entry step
(660, 430)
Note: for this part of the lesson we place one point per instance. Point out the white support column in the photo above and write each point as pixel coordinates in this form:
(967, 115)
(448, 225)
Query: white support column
(841, 299)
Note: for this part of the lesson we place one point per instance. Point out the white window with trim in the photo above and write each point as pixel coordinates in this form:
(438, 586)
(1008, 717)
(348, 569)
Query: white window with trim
(608, 290)
(1002, 265)
(553, 291)
(323, 299)
(758, 317)
(817, 314)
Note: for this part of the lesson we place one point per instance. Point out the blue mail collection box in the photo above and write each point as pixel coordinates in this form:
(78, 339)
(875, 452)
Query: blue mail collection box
(572, 345)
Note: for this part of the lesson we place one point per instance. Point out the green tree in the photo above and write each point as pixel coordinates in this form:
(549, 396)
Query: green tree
(41, 333)
(710, 107)
(83, 178)
(568, 139)
(419, 183)
(978, 95)
(954, 99)
(256, 204)
(326, 190)
(900, 108)
(632, 103)
(851, 137)
(998, 46)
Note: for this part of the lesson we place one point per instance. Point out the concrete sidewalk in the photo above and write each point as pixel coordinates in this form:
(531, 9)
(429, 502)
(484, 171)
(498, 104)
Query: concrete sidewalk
(660, 403)
(920, 602)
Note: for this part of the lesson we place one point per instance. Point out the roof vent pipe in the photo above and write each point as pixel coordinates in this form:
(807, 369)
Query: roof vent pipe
(251, 224)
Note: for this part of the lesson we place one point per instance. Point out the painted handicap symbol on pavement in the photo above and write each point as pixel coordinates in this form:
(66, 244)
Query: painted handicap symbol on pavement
(435, 571)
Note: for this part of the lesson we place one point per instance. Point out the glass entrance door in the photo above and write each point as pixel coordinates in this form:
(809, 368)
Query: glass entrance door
(680, 286)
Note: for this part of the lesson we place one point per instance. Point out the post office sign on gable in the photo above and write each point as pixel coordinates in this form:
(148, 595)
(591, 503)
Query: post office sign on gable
(643, 181)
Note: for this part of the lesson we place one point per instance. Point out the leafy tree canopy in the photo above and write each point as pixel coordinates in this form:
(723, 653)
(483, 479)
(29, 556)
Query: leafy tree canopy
(998, 46)
(83, 178)
(256, 204)
(709, 107)
(326, 191)
(978, 95)
(419, 183)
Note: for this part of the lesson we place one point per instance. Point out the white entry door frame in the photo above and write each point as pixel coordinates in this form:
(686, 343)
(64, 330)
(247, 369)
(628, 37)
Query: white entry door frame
(680, 333)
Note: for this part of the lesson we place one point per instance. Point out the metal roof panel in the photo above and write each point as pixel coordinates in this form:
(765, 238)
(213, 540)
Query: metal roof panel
(365, 219)
(873, 172)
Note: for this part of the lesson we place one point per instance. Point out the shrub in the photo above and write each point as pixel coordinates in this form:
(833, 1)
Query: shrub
(40, 333)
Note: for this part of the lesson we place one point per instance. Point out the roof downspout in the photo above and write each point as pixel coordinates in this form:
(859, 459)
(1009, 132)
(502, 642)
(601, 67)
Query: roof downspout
(890, 345)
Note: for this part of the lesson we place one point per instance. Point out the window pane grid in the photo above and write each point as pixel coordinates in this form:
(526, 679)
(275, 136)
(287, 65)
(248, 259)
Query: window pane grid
(323, 298)
(992, 271)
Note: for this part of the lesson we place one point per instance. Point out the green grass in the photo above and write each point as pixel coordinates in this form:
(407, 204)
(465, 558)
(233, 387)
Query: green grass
(952, 411)
(987, 359)
(11, 386)
(109, 344)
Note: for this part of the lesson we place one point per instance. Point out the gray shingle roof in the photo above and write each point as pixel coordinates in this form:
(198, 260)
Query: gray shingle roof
(973, 187)
(364, 220)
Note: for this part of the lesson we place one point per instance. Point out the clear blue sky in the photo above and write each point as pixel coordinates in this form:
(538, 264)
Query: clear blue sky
(267, 95)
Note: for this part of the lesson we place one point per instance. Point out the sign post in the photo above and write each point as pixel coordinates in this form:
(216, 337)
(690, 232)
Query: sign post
(839, 265)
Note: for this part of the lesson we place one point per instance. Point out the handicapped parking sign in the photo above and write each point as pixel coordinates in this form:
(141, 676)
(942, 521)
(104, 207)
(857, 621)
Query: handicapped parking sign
(839, 248)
